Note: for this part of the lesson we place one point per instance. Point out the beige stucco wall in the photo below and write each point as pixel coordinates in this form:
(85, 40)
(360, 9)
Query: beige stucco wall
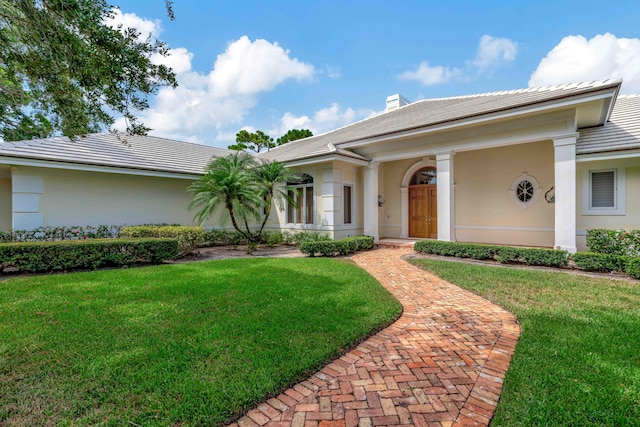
(631, 218)
(485, 209)
(5, 204)
(390, 181)
(91, 198)
(333, 176)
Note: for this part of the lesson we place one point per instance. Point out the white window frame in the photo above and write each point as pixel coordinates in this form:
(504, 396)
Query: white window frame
(619, 197)
(303, 188)
(344, 204)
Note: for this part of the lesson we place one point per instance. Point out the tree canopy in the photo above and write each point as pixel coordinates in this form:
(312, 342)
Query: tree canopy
(254, 141)
(246, 190)
(258, 140)
(293, 135)
(64, 69)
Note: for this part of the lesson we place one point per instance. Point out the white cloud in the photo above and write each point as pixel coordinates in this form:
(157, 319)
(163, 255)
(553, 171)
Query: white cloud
(204, 104)
(146, 27)
(577, 59)
(430, 75)
(333, 72)
(321, 121)
(492, 53)
(248, 67)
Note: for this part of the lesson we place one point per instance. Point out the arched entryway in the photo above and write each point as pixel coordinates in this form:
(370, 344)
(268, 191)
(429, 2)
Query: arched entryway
(423, 203)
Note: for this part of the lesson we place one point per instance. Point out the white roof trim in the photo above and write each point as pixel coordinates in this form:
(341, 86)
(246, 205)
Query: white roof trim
(21, 161)
(612, 155)
(326, 158)
(548, 105)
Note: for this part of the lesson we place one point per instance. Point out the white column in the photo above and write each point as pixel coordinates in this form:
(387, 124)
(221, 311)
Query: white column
(331, 197)
(565, 192)
(404, 212)
(446, 209)
(25, 201)
(371, 200)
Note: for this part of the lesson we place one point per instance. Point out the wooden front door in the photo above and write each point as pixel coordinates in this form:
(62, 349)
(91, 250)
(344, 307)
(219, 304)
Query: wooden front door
(423, 211)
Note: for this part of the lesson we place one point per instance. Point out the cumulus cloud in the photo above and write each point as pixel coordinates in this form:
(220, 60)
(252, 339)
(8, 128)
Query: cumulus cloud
(322, 120)
(146, 27)
(248, 67)
(203, 104)
(492, 53)
(429, 75)
(577, 59)
(333, 72)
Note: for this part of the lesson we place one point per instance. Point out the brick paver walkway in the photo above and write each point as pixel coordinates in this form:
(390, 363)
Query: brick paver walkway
(441, 364)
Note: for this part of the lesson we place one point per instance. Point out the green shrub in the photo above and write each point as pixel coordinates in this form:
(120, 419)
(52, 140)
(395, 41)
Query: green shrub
(224, 237)
(591, 261)
(52, 233)
(633, 268)
(504, 254)
(344, 246)
(614, 242)
(188, 237)
(82, 254)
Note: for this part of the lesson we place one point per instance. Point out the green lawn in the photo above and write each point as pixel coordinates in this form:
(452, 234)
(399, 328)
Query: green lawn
(190, 344)
(577, 362)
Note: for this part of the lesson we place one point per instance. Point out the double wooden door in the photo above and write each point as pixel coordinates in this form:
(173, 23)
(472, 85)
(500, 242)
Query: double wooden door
(423, 211)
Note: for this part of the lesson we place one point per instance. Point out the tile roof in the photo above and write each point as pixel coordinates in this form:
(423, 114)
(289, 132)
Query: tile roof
(105, 149)
(430, 112)
(622, 132)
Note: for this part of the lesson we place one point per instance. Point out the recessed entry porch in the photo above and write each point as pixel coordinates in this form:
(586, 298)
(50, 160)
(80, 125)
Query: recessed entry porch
(500, 195)
(5, 198)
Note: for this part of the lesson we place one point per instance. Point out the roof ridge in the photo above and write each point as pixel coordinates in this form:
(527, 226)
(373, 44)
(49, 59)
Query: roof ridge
(593, 83)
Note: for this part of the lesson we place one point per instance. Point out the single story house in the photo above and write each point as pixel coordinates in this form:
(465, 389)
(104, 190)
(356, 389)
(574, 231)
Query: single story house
(535, 167)
(99, 180)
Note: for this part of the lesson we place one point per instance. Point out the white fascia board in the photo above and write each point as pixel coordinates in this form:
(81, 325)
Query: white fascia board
(18, 161)
(613, 155)
(549, 105)
(329, 158)
(469, 146)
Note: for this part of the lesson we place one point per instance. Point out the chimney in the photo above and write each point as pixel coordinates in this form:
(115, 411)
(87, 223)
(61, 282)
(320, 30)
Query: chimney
(396, 101)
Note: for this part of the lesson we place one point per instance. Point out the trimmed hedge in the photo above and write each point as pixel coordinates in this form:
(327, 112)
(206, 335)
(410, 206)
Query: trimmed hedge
(344, 246)
(633, 268)
(188, 237)
(51, 233)
(84, 254)
(504, 254)
(591, 261)
(614, 242)
(268, 238)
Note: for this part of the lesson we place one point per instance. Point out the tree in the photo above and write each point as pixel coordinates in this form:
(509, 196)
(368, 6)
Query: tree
(245, 188)
(254, 141)
(63, 69)
(293, 135)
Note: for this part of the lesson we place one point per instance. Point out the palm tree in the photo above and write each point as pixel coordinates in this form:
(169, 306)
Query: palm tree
(273, 178)
(243, 187)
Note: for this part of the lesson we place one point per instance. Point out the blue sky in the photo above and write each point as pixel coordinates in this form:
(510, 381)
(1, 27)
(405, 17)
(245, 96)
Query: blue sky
(275, 65)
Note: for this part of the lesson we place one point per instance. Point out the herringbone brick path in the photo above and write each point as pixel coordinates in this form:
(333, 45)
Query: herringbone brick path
(441, 364)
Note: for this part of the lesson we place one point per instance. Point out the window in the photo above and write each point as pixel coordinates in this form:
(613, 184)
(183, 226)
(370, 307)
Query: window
(525, 190)
(347, 190)
(301, 191)
(603, 189)
(427, 175)
(603, 192)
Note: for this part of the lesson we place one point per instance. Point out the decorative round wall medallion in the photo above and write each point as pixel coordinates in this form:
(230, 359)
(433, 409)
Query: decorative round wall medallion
(525, 190)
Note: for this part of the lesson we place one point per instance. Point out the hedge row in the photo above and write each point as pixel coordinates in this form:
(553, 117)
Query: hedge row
(504, 254)
(84, 254)
(50, 234)
(344, 246)
(269, 238)
(188, 237)
(614, 242)
(591, 261)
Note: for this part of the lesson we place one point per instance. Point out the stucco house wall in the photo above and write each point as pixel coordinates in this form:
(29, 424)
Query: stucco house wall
(628, 218)
(5, 204)
(487, 212)
(69, 197)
